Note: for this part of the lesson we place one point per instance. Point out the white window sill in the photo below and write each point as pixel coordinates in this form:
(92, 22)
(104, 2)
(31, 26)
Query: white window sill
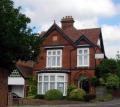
(53, 67)
(83, 66)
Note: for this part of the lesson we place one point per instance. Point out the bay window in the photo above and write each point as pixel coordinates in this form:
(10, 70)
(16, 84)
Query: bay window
(82, 57)
(54, 58)
(47, 81)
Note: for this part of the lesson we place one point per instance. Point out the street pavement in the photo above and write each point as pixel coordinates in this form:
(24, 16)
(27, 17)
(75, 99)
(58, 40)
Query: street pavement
(113, 103)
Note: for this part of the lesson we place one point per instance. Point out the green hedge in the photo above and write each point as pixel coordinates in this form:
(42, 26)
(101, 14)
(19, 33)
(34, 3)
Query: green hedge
(77, 94)
(70, 88)
(53, 94)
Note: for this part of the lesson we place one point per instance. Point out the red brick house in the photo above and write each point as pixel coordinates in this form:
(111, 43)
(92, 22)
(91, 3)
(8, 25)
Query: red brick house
(68, 56)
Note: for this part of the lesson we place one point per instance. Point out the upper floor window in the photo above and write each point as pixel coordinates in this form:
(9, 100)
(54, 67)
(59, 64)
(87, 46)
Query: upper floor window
(82, 57)
(54, 58)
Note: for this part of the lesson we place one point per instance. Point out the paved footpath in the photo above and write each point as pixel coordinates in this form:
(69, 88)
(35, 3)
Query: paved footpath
(113, 103)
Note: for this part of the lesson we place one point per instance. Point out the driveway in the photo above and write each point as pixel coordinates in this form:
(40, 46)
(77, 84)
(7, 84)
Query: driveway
(113, 103)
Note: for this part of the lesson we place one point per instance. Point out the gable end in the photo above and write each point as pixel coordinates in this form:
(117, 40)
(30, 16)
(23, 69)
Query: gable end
(57, 28)
(85, 39)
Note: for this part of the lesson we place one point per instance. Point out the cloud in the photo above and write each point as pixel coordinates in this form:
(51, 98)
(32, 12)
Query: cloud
(111, 32)
(118, 8)
(43, 12)
(111, 51)
(85, 12)
(93, 23)
(111, 37)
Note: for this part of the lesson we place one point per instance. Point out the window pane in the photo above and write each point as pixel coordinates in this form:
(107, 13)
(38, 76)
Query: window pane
(45, 78)
(58, 60)
(80, 60)
(40, 78)
(52, 78)
(45, 87)
(80, 51)
(60, 78)
(53, 61)
(65, 85)
(85, 51)
(40, 88)
(60, 86)
(54, 52)
(52, 85)
(49, 52)
(49, 61)
(58, 52)
(86, 60)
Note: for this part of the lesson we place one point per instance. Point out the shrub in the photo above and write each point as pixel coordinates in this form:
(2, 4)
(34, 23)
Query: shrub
(53, 94)
(77, 94)
(112, 81)
(70, 88)
(107, 97)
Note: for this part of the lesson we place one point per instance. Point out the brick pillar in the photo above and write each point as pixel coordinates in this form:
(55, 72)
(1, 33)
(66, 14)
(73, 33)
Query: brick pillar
(10, 99)
(3, 87)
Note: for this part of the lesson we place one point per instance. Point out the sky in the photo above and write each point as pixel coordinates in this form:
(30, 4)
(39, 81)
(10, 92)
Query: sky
(86, 13)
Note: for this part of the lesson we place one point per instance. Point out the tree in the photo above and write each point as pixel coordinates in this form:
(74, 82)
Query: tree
(118, 68)
(16, 42)
(106, 66)
(108, 73)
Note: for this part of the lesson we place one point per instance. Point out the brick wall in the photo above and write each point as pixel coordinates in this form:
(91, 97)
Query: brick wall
(67, 49)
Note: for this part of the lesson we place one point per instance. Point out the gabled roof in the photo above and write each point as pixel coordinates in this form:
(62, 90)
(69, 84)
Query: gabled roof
(72, 34)
(56, 27)
(92, 34)
(83, 37)
(25, 71)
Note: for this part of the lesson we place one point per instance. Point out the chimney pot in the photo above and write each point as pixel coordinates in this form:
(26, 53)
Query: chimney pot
(67, 22)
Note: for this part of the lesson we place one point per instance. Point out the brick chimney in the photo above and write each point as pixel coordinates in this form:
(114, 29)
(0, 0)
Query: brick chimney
(67, 22)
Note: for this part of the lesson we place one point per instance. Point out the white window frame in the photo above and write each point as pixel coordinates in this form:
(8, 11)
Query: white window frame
(83, 60)
(65, 81)
(54, 66)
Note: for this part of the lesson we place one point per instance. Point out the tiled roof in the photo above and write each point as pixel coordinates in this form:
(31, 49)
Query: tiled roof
(92, 34)
(25, 71)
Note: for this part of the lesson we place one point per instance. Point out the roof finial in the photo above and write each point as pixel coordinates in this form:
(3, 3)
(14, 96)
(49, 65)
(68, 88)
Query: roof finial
(54, 21)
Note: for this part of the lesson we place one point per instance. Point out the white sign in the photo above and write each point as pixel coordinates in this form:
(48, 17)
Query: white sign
(99, 56)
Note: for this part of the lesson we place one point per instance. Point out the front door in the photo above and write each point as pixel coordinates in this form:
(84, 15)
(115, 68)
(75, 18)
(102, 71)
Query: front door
(84, 84)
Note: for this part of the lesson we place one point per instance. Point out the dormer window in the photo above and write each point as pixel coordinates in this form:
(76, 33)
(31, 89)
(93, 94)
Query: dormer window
(54, 58)
(82, 57)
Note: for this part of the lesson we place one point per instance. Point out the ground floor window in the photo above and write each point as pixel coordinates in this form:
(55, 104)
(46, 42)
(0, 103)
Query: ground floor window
(47, 81)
